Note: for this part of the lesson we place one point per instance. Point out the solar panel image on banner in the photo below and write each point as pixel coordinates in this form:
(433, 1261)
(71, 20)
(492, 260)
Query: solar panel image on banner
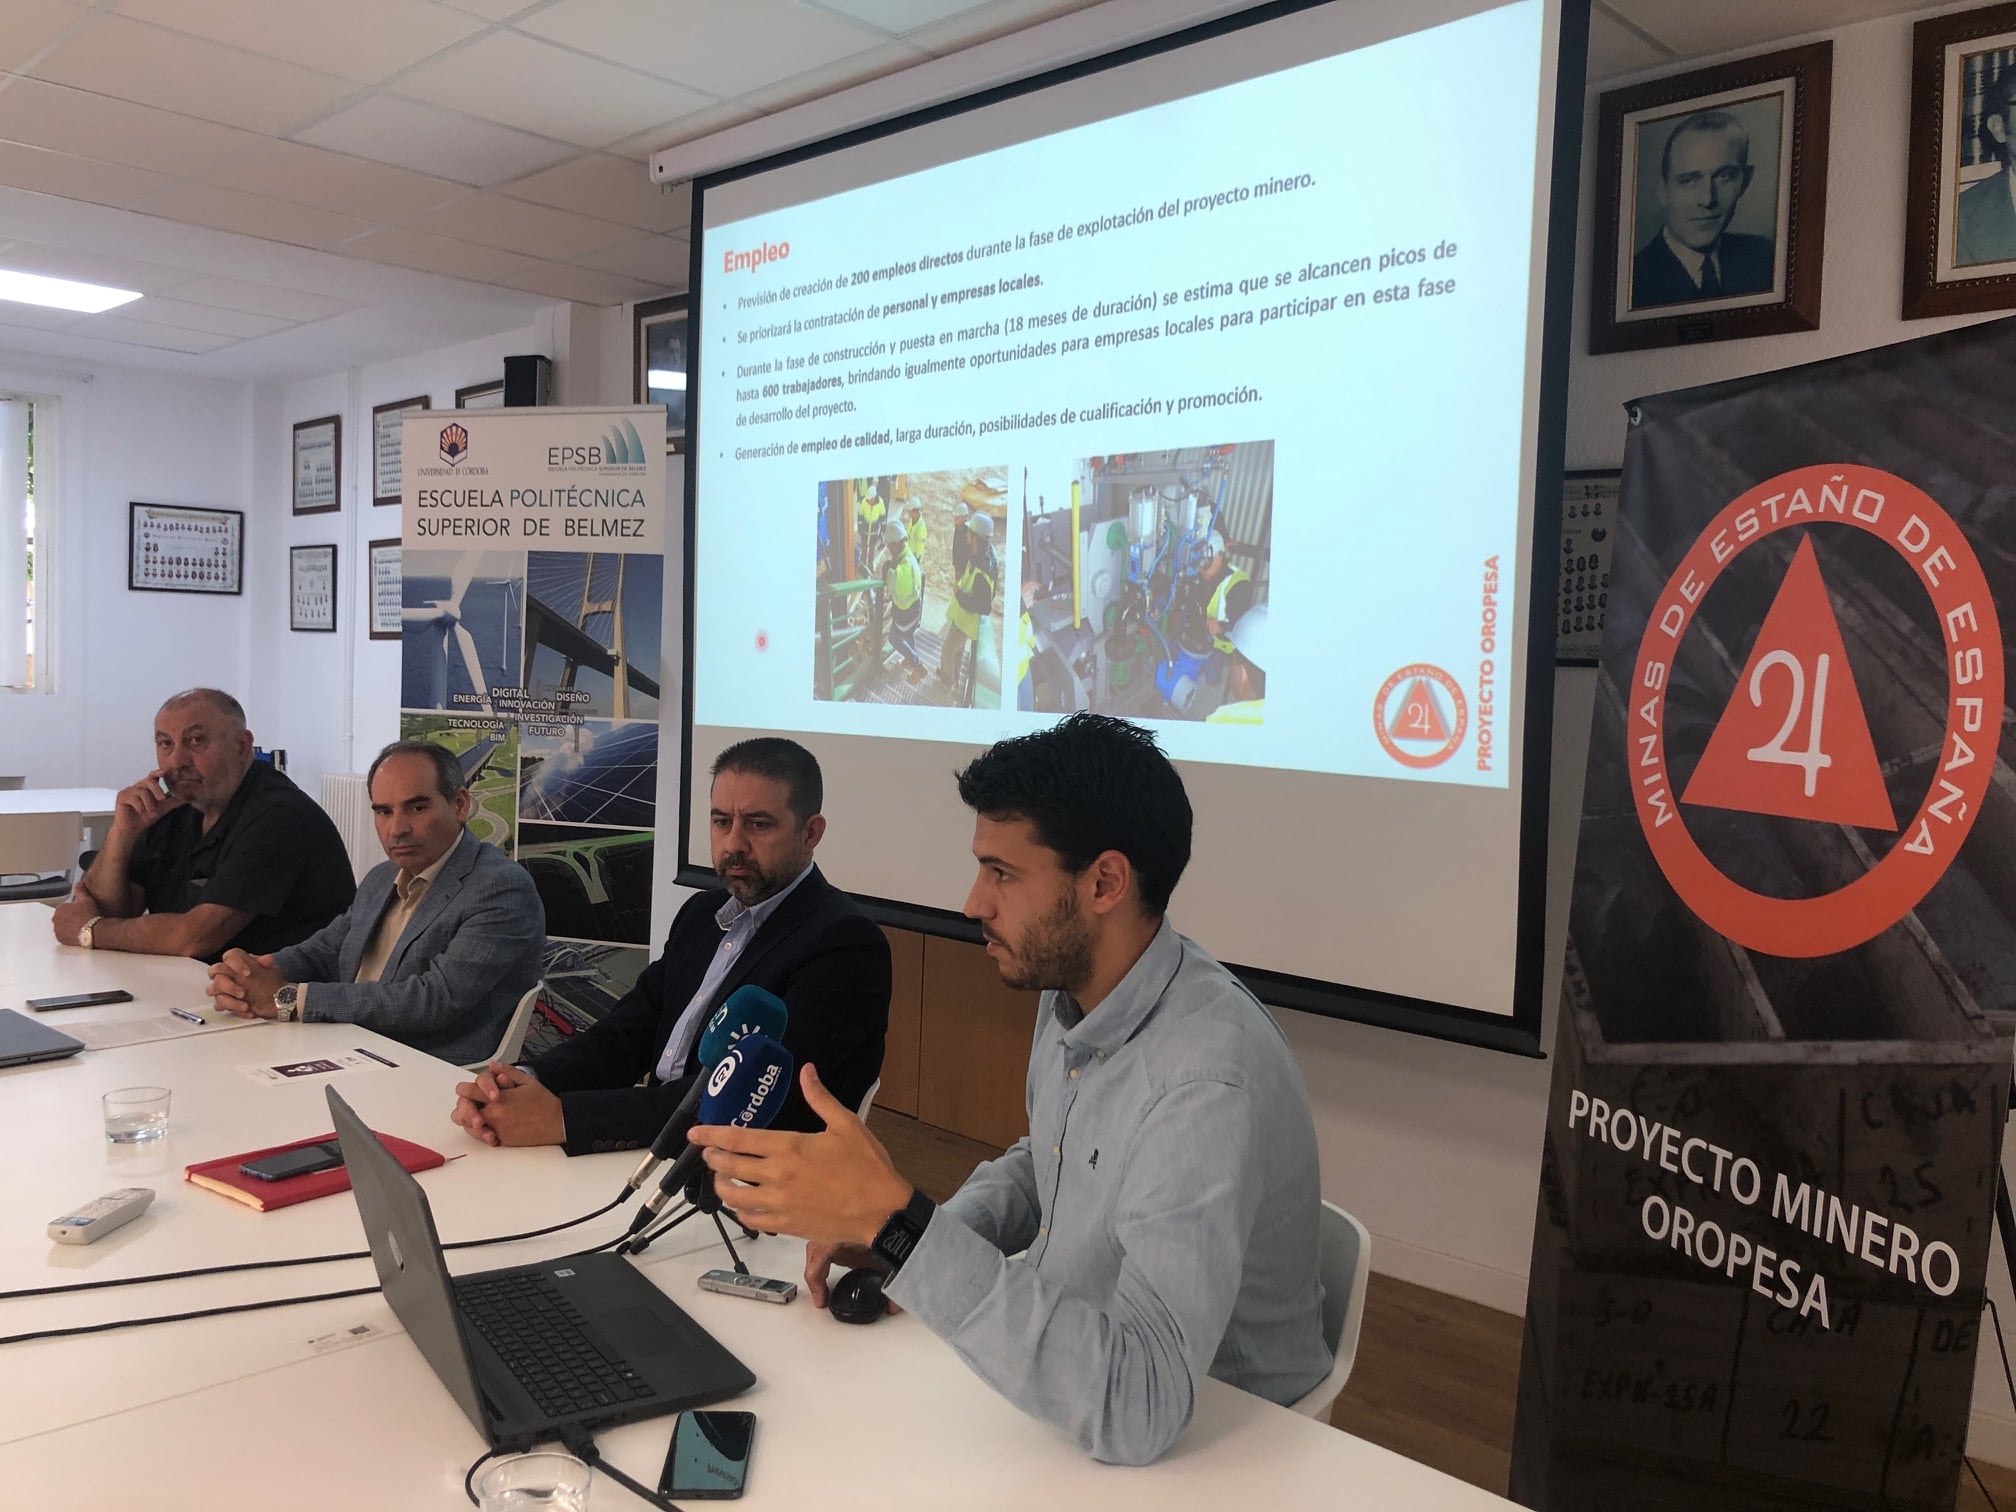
(463, 622)
(593, 622)
(595, 883)
(597, 773)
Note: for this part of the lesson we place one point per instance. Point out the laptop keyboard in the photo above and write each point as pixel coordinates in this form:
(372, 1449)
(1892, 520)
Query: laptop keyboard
(545, 1344)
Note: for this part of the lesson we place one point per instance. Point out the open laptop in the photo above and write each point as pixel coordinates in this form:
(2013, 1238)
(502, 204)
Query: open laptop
(22, 1040)
(582, 1340)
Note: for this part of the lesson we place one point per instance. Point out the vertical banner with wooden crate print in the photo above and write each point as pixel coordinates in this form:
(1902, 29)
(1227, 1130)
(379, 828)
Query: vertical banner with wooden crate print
(532, 611)
(1782, 1068)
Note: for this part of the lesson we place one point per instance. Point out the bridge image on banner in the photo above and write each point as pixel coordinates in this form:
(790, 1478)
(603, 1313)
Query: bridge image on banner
(1783, 1059)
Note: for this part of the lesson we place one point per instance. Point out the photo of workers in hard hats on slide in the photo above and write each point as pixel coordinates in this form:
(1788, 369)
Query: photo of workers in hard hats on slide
(910, 596)
(1144, 587)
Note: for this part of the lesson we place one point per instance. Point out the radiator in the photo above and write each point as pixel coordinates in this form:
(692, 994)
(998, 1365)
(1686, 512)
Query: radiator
(345, 800)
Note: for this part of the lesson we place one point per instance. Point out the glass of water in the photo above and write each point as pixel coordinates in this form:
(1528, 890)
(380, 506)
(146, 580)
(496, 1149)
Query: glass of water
(533, 1483)
(134, 1115)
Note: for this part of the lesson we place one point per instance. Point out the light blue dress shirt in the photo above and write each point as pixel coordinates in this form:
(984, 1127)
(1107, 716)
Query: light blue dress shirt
(738, 928)
(1168, 1200)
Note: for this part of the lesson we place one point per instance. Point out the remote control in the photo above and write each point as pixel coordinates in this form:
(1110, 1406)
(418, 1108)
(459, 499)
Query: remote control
(729, 1284)
(95, 1220)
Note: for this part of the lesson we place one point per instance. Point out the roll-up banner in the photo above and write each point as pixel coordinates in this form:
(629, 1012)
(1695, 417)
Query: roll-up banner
(1783, 1064)
(532, 607)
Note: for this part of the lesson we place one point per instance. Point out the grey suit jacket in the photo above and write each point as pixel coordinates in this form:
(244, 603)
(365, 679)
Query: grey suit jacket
(467, 955)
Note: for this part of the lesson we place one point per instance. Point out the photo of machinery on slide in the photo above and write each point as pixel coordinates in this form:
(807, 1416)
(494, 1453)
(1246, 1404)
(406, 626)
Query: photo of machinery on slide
(1144, 588)
(911, 584)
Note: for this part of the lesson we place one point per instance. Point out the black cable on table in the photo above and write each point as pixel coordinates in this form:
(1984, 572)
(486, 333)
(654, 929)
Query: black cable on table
(183, 1317)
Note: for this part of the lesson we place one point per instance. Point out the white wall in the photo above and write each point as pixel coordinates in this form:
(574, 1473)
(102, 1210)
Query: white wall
(123, 436)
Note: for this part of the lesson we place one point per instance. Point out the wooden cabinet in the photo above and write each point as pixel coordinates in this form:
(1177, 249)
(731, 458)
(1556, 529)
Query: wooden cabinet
(906, 1008)
(973, 1045)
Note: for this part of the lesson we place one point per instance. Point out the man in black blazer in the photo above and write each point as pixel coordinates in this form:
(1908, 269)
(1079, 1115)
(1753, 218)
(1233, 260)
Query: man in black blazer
(777, 924)
(1704, 170)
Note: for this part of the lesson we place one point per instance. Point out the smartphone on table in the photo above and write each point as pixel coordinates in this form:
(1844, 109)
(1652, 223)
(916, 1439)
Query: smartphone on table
(81, 1000)
(305, 1161)
(709, 1456)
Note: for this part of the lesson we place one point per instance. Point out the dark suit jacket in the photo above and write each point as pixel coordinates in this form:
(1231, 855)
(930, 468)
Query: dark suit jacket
(1657, 278)
(825, 958)
(1985, 227)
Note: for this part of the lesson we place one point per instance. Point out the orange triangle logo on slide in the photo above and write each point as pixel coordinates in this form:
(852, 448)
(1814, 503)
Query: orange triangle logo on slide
(1420, 715)
(1794, 741)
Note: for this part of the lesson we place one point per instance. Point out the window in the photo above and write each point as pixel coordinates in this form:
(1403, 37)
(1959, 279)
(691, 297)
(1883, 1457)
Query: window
(24, 633)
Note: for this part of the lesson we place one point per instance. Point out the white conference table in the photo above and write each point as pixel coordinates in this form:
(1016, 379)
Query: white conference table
(250, 1411)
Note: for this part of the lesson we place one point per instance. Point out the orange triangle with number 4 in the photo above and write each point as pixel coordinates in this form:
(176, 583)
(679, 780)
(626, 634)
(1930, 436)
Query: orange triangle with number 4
(1794, 741)
(1420, 716)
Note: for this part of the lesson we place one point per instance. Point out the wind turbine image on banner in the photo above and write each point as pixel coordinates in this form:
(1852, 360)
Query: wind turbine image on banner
(478, 614)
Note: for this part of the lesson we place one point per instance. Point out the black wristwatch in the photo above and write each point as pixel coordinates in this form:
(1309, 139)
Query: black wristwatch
(900, 1234)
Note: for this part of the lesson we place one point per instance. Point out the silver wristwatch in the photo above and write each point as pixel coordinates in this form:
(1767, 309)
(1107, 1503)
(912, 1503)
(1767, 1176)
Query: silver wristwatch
(287, 1003)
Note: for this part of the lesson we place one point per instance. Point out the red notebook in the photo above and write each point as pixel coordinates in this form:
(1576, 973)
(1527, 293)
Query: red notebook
(224, 1177)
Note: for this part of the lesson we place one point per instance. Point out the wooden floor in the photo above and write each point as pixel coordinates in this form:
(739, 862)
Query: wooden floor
(1435, 1376)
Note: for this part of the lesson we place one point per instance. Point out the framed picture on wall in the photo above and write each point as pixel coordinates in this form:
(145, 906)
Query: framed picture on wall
(171, 549)
(1711, 202)
(318, 465)
(311, 588)
(1582, 582)
(659, 356)
(387, 430)
(384, 584)
(1960, 201)
(481, 395)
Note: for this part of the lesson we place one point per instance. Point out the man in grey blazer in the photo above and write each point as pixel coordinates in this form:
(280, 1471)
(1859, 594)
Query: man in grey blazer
(443, 939)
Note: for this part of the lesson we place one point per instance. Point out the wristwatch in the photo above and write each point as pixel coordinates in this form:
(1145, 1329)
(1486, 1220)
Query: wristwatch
(84, 934)
(286, 1003)
(899, 1236)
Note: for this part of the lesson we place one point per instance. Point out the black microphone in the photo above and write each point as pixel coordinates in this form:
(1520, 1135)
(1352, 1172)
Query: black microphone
(670, 1138)
(747, 1090)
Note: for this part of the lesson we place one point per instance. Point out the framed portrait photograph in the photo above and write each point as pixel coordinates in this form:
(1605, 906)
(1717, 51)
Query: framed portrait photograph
(660, 358)
(318, 465)
(385, 585)
(481, 395)
(1711, 202)
(172, 549)
(1582, 583)
(1960, 206)
(387, 430)
(311, 588)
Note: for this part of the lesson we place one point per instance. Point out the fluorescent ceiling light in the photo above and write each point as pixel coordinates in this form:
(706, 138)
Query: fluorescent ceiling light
(665, 378)
(62, 293)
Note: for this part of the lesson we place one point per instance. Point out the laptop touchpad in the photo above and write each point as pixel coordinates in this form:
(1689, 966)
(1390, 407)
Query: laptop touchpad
(640, 1331)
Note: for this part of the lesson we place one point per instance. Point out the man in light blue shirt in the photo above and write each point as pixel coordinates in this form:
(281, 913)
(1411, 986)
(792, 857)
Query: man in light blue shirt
(1160, 1221)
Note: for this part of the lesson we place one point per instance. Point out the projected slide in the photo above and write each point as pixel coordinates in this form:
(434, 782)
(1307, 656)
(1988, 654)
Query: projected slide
(1256, 354)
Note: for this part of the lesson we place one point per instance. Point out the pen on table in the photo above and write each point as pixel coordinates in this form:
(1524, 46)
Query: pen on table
(184, 1013)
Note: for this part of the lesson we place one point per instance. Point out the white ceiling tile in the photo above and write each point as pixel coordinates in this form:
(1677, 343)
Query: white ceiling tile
(31, 317)
(585, 285)
(250, 215)
(184, 316)
(1615, 49)
(114, 131)
(25, 256)
(133, 61)
(496, 221)
(535, 86)
(832, 77)
(146, 333)
(898, 16)
(291, 305)
(726, 47)
(983, 23)
(685, 129)
(28, 26)
(408, 134)
(363, 40)
(658, 260)
(613, 188)
(334, 181)
(492, 10)
(407, 248)
(78, 178)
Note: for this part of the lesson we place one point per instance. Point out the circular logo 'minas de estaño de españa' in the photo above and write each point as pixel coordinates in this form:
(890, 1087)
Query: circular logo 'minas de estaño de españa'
(1428, 713)
(1794, 742)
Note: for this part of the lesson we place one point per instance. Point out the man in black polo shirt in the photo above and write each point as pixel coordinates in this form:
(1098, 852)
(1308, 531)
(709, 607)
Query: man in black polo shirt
(232, 854)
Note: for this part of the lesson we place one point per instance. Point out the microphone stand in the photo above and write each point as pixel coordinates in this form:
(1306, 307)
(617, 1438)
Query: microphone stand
(636, 1244)
(707, 1200)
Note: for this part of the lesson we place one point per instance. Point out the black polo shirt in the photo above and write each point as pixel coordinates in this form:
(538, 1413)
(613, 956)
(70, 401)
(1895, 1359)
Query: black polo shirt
(272, 853)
